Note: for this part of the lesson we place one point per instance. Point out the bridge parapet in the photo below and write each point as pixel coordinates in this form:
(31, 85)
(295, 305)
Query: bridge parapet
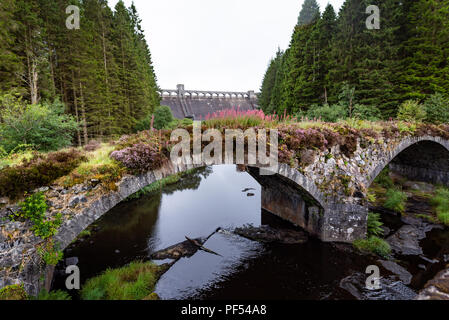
(180, 92)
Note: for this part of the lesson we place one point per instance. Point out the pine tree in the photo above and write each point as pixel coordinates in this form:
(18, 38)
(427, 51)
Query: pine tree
(30, 45)
(269, 81)
(368, 59)
(10, 63)
(310, 12)
(327, 29)
(425, 67)
(277, 95)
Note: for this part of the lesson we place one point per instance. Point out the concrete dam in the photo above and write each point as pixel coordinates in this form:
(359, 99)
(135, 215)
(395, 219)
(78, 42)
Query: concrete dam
(197, 104)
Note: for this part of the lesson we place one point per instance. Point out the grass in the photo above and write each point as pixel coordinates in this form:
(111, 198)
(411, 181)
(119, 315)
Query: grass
(395, 200)
(15, 159)
(441, 203)
(375, 245)
(85, 233)
(362, 124)
(99, 166)
(135, 281)
(53, 295)
(97, 158)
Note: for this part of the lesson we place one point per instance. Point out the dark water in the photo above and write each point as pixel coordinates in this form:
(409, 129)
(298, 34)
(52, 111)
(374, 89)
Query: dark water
(195, 207)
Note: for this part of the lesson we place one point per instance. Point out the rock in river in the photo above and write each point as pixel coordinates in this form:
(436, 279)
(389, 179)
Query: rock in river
(269, 234)
(389, 288)
(402, 273)
(437, 288)
(405, 241)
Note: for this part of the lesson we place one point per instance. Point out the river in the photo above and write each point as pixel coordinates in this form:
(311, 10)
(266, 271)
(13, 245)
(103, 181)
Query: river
(224, 197)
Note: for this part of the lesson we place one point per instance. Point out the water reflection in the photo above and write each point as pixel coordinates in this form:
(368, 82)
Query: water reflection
(198, 204)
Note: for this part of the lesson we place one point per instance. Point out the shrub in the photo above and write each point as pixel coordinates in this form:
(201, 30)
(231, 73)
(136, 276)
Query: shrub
(395, 200)
(92, 146)
(363, 112)
(22, 148)
(186, 122)
(50, 253)
(374, 224)
(375, 245)
(39, 171)
(13, 292)
(144, 123)
(162, 117)
(411, 111)
(437, 109)
(328, 113)
(53, 295)
(132, 282)
(140, 157)
(231, 118)
(45, 126)
(33, 209)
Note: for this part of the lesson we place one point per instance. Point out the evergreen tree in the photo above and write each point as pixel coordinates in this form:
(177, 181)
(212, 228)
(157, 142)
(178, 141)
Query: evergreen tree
(102, 72)
(368, 59)
(425, 65)
(310, 11)
(10, 63)
(277, 94)
(269, 81)
(137, 92)
(30, 46)
(327, 29)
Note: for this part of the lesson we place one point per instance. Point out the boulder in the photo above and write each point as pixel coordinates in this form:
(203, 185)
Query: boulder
(405, 241)
(402, 273)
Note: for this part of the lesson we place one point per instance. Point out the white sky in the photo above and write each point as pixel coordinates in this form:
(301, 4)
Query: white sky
(216, 44)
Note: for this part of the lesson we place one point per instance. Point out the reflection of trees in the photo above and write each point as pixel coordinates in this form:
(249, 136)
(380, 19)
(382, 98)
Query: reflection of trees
(137, 215)
(133, 216)
(190, 181)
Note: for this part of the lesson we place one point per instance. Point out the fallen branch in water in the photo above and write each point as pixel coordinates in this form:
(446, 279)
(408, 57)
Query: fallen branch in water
(183, 249)
(201, 247)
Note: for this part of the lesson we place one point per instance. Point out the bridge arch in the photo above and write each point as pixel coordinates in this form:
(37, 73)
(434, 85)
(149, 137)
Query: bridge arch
(411, 158)
(130, 184)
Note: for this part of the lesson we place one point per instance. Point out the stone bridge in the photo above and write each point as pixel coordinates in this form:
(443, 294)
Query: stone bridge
(198, 104)
(326, 197)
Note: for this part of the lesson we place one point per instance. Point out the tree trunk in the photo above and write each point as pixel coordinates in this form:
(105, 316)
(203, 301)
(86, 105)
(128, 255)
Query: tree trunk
(83, 115)
(325, 95)
(32, 69)
(75, 102)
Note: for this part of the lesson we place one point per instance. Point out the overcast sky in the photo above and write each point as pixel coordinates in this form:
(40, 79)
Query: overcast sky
(216, 44)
